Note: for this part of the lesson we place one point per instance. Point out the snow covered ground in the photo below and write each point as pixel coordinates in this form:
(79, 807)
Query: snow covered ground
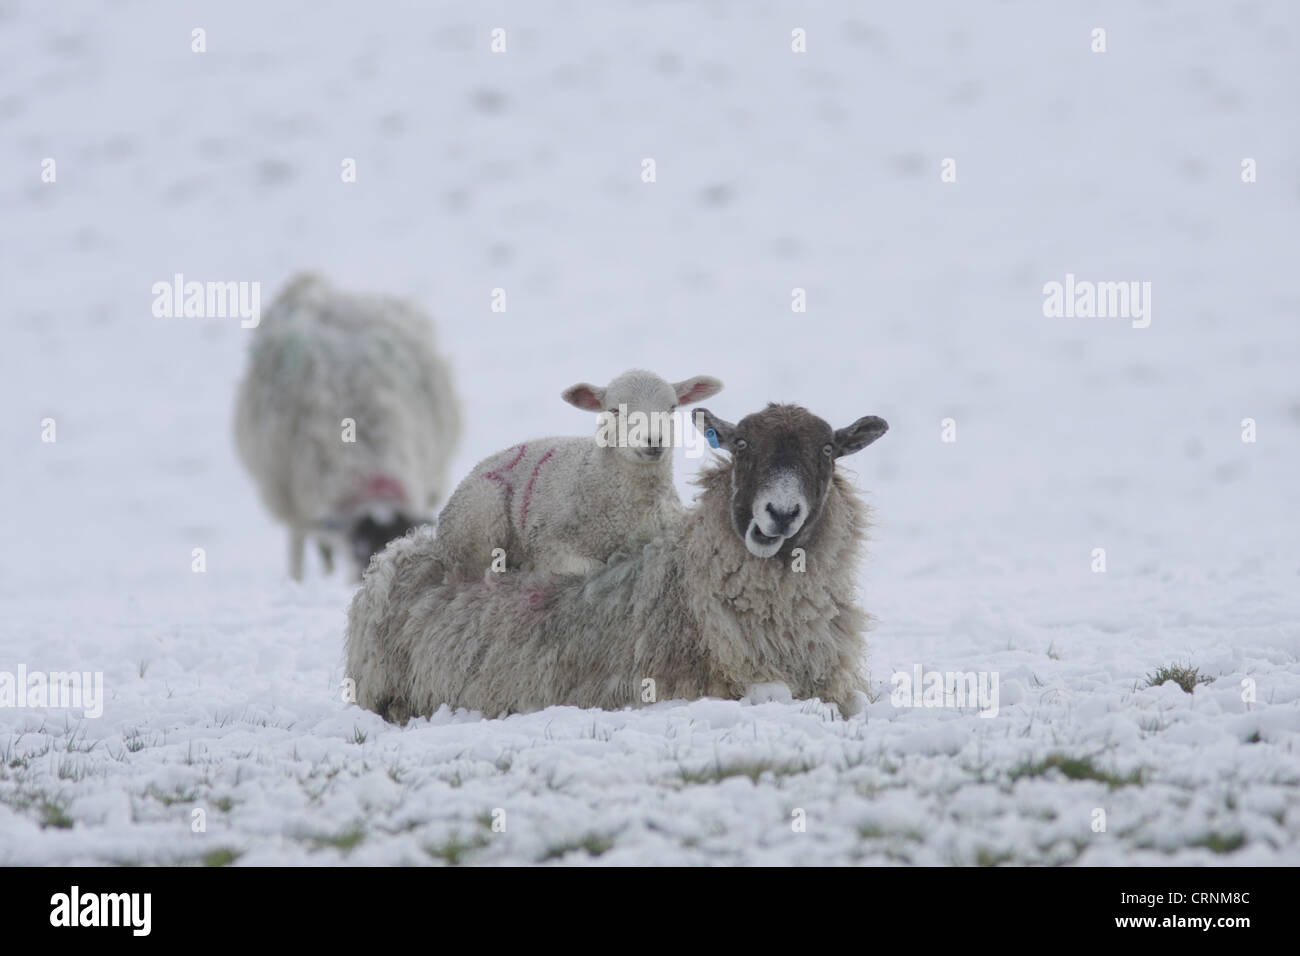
(775, 170)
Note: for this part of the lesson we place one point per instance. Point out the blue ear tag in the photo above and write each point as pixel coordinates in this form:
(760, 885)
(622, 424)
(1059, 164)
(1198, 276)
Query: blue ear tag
(712, 436)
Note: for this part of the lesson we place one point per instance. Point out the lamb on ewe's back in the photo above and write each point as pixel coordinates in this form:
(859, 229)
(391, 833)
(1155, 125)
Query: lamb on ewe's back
(322, 356)
(567, 504)
(715, 605)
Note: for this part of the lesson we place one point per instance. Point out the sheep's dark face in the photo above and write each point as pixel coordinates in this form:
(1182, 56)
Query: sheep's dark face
(782, 463)
(370, 534)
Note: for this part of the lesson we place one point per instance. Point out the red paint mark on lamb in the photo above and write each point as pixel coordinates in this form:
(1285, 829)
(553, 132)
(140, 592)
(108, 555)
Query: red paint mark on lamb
(498, 473)
(528, 491)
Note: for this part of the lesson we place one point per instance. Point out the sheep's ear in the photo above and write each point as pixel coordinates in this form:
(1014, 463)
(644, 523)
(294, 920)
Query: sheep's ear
(696, 389)
(859, 435)
(587, 397)
(724, 432)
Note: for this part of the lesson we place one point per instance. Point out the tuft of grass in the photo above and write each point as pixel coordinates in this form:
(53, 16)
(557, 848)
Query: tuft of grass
(594, 843)
(453, 851)
(1074, 768)
(222, 856)
(80, 746)
(346, 840)
(54, 813)
(753, 769)
(986, 857)
(1221, 842)
(1185, 677)
(358, 735)
(870, 831)
(171, 799)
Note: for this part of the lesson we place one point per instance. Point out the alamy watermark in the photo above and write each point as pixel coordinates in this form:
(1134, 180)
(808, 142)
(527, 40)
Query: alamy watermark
(58, 689)
(1085, 299)
(923, 688)
(130, 910)
(637, 429)
(208, 300)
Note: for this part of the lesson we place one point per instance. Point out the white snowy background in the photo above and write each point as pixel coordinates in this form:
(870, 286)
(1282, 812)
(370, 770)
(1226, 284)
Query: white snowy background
(775, 170)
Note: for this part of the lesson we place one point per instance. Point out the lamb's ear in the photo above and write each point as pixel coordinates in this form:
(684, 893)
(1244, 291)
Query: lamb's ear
(587, 397)
(724, 432)
(697, 389)
(859, 435)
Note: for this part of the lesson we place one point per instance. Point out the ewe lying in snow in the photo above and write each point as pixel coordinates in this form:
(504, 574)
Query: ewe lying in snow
(346, 418)
(713, 606)
(567, 504)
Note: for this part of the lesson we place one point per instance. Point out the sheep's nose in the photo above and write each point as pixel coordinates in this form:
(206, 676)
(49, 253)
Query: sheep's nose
(654, 451)
(783, 519)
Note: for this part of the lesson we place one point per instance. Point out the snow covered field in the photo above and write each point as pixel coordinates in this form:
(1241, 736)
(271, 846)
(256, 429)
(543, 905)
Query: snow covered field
(775, 170)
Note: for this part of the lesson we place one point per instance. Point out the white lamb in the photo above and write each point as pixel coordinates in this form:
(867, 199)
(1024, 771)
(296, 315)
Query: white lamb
(755, 585)
(346, 418)
(565, 505)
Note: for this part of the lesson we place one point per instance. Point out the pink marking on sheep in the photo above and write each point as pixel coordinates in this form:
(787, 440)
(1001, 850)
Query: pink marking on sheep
(528, 491)
(377, 487)
(497, 475)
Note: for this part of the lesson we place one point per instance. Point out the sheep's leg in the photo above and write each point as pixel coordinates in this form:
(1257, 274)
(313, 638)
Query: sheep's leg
(297, 544)
(326, 557)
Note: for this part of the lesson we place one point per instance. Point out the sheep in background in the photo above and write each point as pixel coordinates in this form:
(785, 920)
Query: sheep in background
(566, 505)
(755, 584)
(322, 356)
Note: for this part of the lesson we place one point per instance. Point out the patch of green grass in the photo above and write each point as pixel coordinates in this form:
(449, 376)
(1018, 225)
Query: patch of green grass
(54, 814)
(594, 843)
(70, 770)
(871, 831)
(171, 799)
(50, 811)
(224, 804)
(358, 735)
(453, 851)
(986, 857)
(753, 769)
(1221, 842)
(80, 746)
(1185, 677)
(346, 840)
(1074, 768)
(222, 856)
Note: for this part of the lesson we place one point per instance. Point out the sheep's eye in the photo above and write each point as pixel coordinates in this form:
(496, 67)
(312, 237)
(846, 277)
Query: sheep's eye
(828, 450)
(741, 444)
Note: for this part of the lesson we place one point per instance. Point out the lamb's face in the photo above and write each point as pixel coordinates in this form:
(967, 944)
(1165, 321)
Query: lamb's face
(637, 412)
(783, 462)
